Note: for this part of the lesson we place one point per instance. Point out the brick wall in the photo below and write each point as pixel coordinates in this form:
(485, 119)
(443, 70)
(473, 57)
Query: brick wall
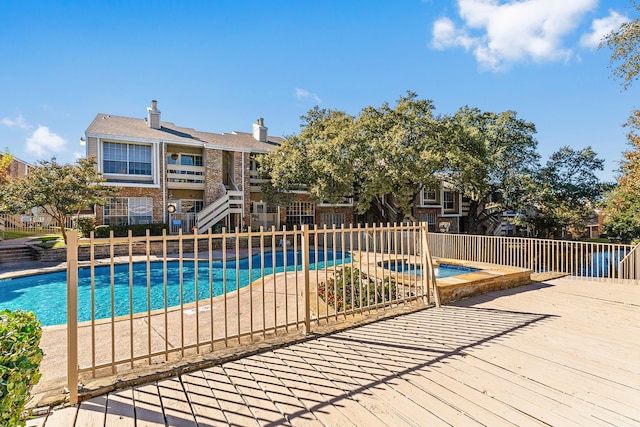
(212, 175)
(246, 184)
(154, 193)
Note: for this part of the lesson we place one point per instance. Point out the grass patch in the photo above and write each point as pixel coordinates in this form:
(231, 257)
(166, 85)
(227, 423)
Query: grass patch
(49, 237)
(9, 235)
(51, 241)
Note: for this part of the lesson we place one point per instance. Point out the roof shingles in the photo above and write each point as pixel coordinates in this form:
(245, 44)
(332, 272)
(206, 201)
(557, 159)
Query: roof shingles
(123, 127)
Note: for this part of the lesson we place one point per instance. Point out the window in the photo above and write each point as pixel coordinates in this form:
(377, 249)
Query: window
(185, 159)
(346, 201)
(191, 206)
(126, 159)
(448, 202)
(128, 210)
(429, 197)
(300, 213)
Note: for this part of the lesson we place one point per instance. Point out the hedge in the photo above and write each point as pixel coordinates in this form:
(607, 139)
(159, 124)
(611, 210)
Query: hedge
(102, 231)
(20, 359)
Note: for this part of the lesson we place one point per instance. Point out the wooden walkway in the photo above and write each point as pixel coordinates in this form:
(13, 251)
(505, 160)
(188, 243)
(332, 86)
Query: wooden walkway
(562, 353)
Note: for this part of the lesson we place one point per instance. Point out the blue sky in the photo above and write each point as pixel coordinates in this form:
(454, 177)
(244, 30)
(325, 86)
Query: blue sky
(217, 66)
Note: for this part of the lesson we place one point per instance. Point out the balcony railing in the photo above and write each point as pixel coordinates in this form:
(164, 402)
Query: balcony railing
(185, 177)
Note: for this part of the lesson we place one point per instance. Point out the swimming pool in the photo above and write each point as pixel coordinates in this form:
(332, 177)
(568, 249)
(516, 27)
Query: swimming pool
(441, 271)
(46, 294)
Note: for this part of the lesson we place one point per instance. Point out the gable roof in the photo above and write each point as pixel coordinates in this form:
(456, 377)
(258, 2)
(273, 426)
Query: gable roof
(127, 127)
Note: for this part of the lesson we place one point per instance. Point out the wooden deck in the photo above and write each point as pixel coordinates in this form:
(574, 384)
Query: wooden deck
(565, 352)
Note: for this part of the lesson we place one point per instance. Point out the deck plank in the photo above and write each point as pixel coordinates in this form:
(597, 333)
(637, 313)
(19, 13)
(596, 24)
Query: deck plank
(149, 411)
(120, 409)
(92, 412)
(231, 402)
(412, 402)
(293, 393)
(62, 417)
(177, 409)
(415, 362)
(206, 407)
(339, 407)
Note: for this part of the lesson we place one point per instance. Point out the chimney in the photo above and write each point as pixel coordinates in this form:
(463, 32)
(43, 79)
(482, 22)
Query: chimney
(259, 130)
(153, 115)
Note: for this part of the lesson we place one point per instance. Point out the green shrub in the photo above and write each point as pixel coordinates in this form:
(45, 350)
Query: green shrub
(20, 359)
(86, 225)
(101, 231)
(139, 229)
(342, 293)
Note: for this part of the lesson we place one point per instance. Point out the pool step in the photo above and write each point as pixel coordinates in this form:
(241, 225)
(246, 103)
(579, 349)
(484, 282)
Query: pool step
(16, 254)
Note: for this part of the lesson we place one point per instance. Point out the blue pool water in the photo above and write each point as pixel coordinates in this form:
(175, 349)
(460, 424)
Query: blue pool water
(444, 270)
(46, 294)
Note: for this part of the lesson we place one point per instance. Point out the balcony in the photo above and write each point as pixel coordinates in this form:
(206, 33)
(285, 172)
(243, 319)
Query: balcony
(255, 181)
(185, 177)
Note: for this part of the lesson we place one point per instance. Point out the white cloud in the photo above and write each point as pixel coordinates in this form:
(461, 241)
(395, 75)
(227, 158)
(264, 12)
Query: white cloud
(499, 33)
(303, 93)
(43, 142)
(18, 122)
(602, 27)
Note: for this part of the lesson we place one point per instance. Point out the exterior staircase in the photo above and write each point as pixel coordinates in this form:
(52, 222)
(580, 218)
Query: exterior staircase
(15, 254)
(229, 203)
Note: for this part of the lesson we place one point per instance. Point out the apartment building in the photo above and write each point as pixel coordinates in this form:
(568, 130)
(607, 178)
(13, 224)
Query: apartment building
(188, 178)
(177, 175)
(17, 168)
(442, 208)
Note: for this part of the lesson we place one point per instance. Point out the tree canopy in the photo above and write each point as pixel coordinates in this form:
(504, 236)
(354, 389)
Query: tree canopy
(625, 45)
(504, 164)
(385, 150)
(59, 190)
(567, 191)
(5, 162)
(490, 158)
(622, 206)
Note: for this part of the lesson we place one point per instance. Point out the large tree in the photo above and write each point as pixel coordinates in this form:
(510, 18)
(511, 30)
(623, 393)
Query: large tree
(567, 191)
(384, 150)
(5, 177)
(398, 150)
(622, 206)
(59, 190)
(625, 45)
(5, 162)
(318, 160)
(504, 165)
